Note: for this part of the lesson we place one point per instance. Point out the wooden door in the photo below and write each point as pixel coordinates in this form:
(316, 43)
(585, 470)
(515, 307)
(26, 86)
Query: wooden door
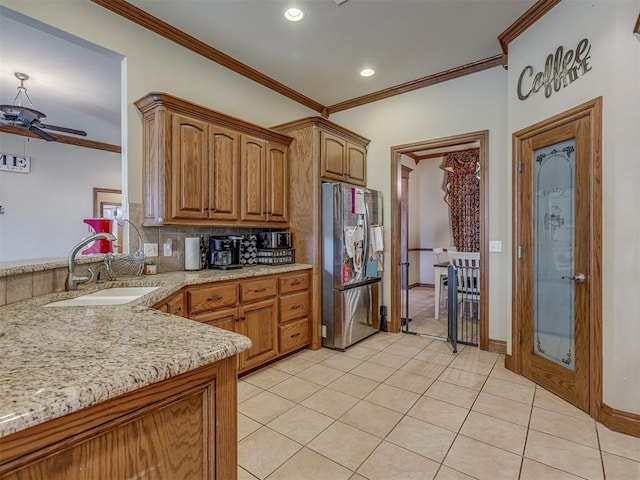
(557, 286)
(277, 184)
(332, 156)
(189, 180)
(356, 168)
(224, 182)
(259, 322)
(253, 153)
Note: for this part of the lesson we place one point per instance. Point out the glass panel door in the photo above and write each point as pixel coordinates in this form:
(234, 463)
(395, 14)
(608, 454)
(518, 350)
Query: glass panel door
(554, 235)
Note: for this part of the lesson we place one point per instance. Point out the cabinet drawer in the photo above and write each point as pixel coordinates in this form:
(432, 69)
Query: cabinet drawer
(294, 306)
(212, 297)
(294, 335)
(294, 283)
(258, 289)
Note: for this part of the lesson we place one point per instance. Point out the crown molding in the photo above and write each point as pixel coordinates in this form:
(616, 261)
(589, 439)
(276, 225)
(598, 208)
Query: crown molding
(531, 16)
(154, 24)
(419, 83)
(142, 18)
(78, 142)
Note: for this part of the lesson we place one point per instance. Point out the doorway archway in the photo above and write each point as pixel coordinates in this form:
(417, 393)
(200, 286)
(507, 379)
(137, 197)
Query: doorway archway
(482, 138)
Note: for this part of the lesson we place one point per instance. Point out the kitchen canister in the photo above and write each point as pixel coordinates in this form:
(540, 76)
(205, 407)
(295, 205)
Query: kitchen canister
(192, 253)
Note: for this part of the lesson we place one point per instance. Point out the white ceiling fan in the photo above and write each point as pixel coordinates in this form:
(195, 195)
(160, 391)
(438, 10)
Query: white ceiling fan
(28, 117)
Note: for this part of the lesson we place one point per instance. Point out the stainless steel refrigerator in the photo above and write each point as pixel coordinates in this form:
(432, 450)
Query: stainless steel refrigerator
(351, 263)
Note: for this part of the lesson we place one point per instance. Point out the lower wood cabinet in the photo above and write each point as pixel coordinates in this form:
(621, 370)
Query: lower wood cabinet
(173, 305)
(272, 310)
(181, 428)
(257, 323)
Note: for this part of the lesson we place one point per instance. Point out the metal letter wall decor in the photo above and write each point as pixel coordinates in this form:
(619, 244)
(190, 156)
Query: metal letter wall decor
(560, 70)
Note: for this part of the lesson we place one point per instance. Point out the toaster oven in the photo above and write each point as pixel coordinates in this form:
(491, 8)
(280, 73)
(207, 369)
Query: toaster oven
(270, 240)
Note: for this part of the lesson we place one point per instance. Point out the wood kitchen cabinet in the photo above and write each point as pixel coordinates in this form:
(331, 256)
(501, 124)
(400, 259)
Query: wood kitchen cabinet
(202, 167)
(272, 310)
(182, 427)
(321, 151)
(341, 160)
(265, 181)
(173, 304)
(293, 325)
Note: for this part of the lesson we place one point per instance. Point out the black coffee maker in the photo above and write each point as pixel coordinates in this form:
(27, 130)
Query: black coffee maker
(222, 254)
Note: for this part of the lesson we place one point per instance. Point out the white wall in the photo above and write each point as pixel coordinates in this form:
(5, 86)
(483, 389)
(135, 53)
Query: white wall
(429, 222)
(615, 75)
(468, 104)
(156, 64)
(44, 209)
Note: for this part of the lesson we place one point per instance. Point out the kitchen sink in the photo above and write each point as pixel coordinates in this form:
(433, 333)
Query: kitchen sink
(108, 296)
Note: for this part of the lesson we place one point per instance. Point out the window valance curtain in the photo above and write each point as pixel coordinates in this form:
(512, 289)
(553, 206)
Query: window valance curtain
(463, 197)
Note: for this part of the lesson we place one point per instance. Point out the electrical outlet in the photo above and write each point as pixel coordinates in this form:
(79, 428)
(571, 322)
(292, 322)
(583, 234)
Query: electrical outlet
(495, 245)
(150, 249)
(167, 248)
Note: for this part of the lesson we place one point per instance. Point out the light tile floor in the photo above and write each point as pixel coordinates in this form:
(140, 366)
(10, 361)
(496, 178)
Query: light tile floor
(402, 407)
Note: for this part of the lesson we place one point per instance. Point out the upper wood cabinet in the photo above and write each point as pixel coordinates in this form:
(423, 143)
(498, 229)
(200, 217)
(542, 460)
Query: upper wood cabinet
(342, 160)
(189, 168)
(202, 167)
(224, 151)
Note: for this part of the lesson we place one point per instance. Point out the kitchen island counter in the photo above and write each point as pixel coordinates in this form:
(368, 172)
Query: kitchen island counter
(58, 360)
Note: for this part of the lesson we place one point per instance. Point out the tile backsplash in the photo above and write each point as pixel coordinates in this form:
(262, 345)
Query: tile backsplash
(176, 235)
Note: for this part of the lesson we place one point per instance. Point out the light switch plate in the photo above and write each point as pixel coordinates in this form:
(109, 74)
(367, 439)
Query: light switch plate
(167, 248)
(150, 249)
(495, 245)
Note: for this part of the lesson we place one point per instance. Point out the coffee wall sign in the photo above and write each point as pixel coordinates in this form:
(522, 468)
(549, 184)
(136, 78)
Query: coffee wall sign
(560, 70)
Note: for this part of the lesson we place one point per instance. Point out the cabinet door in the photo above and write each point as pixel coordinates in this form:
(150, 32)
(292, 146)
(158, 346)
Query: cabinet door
(175, 305)
(225, 319)
(189, 180)
(259, 322)
(332, 156)
(224, 184)
(356, 164)
(277, 184)
(252, 172)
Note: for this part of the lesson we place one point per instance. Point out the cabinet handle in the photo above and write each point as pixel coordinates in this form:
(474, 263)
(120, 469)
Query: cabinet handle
(240, 318)
(260, 290)
(295, 307)
(219, 297)
(177, 311)
(295, 283)
(295, 335)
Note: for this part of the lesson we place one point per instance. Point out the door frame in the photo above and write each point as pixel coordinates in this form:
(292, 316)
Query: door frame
(482, 137)
(592, 111)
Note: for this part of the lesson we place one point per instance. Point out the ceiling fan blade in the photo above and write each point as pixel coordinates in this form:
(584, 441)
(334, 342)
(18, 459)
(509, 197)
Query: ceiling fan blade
(64, 129)
(42, 134)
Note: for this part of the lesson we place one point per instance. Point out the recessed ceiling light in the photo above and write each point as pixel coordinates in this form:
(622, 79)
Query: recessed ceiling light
(367, 72)
(293, 14)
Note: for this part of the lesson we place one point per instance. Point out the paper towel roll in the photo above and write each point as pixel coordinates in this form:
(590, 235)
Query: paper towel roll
(192, 253)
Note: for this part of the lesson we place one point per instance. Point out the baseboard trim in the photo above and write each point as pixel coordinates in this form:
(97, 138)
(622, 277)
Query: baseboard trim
(421, 285)
(497, 346)
(508, 363)
(620, 421)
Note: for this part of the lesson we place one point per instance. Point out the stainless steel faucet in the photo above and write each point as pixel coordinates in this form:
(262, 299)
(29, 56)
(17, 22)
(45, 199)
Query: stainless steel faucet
(74, 280)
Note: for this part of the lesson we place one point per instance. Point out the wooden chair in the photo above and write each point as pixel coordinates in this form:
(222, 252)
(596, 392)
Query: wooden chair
(468, 276)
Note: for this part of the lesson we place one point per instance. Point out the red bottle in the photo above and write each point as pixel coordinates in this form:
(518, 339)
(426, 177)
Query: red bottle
(98, 225)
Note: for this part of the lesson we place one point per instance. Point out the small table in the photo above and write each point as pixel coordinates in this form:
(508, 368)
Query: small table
(440, 270)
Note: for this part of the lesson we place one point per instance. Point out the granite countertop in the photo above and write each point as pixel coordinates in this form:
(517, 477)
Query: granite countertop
(57, 360)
